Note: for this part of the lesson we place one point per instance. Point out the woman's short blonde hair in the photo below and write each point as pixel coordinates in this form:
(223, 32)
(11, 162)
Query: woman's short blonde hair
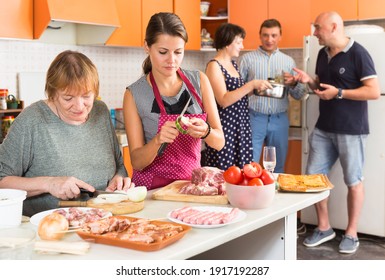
(71, 71)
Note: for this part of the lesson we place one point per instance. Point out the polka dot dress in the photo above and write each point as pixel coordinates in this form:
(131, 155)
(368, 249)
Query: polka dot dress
(236, 127)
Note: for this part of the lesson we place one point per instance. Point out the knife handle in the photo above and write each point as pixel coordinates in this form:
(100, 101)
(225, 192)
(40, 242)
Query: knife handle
(90, 194)
(161, 149)
(72, 203)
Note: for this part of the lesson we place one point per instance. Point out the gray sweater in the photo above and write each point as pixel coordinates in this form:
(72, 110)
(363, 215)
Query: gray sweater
(40, 144)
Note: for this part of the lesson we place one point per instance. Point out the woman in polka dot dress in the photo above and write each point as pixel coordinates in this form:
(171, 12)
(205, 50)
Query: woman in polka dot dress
(231, 94)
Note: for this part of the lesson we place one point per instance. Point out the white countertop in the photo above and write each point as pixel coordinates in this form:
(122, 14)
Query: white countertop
(196, 240)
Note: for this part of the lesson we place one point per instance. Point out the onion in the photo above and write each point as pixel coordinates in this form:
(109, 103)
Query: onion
(110, 198)
(53, 227)
(184, 120)
(137, 194)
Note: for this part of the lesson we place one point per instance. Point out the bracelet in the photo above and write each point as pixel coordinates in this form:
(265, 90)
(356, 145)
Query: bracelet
(208, 131)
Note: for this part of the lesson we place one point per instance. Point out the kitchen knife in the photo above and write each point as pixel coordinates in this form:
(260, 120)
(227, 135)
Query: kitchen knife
(164, 145)
(98, 192)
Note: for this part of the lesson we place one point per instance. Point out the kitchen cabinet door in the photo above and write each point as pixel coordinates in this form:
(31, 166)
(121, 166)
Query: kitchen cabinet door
(371, 9)
(249, 14)
(127, 161)
(346, 8)
(293, 158)
(294, 17)
(150, 7)
(189, 13)
(130, 31)
(16, 19)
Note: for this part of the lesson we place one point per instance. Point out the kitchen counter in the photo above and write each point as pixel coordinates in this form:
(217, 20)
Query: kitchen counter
(269, 233)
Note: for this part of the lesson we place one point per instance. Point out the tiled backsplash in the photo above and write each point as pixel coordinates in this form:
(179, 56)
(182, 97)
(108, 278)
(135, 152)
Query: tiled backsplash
(118, 67)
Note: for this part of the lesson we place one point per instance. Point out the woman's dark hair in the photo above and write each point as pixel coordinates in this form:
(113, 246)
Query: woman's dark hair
(269, 23)
(159, 24)
(226, 34)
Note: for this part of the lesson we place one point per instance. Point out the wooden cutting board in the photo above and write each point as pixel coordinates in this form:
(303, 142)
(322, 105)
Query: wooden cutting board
(171, 192)
(123, 207)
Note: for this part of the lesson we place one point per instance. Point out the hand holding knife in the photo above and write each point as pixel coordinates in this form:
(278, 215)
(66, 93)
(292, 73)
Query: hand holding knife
(164, 145)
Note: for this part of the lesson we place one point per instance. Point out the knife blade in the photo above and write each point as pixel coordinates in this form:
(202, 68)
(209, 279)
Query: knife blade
(97, 192)
(164, 145)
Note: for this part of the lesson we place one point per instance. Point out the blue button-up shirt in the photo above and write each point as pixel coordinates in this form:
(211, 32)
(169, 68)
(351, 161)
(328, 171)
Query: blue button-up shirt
(260, 65)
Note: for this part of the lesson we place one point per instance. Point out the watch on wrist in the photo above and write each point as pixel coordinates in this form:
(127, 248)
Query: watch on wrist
(339, 94)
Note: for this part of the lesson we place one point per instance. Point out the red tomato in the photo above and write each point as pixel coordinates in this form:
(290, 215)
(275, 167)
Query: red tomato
(244, 181)
(267, 177)
(255, 182)
(233, 175)
(252, 170)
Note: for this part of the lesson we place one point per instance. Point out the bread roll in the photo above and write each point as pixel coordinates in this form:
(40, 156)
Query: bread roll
(53, 227)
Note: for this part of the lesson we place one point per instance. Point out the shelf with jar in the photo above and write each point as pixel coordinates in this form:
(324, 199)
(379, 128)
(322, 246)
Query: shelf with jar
(213, 14)
(7, 116)
(6, 119)
(214, 18)
(10, 111)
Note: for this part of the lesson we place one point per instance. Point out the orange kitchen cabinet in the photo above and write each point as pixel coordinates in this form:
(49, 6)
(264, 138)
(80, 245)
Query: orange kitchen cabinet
(135, 14)
(150, 7)
(127, 160)
(16, 19)
(293, 164)
(130, 31)
(249, 14)
(189, 13)
(346, 8)
(293, 158)
(371, 9)
(294, 17)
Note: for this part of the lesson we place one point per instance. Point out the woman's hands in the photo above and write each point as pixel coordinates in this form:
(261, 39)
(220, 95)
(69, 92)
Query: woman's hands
(67, 187)
(261, 85)
(197, 127)
(120, 183)
(167, 133)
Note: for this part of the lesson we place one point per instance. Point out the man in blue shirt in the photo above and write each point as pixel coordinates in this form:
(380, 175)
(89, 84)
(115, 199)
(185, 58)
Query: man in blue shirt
(268, 115)
(345, 80)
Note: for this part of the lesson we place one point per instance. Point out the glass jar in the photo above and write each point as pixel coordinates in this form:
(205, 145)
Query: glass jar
(6, 123)
(3, 99)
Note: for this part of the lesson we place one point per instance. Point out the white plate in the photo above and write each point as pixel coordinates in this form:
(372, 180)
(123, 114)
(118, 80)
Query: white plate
(35, 219)
(240, 216)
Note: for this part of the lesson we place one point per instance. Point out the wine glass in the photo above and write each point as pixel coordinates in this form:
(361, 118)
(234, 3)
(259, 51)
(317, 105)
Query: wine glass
(269, 158)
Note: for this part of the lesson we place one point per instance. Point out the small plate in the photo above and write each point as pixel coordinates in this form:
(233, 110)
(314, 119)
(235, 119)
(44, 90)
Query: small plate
(35, 219)
(240, 216)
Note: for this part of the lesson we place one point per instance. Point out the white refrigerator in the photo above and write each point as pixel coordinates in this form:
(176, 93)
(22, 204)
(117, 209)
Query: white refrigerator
(372, 220)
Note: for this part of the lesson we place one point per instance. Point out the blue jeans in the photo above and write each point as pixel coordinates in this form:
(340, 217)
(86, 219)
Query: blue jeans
(327, 147)
(271, 130)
